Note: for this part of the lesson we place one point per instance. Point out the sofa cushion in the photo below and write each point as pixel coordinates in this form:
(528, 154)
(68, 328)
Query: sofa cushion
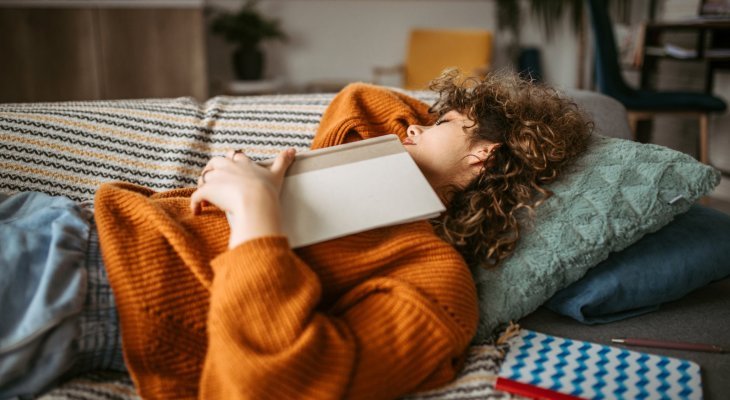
(614, 194)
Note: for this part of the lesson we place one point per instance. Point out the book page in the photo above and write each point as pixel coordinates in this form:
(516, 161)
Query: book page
(341, 200)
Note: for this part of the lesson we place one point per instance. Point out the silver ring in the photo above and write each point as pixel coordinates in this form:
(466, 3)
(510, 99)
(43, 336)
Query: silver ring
(202, 176)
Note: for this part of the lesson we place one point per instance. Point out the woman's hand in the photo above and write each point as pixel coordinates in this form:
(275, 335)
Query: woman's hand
(248, 192)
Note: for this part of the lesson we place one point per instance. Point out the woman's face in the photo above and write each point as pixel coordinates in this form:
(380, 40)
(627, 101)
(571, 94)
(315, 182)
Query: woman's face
(444, 152)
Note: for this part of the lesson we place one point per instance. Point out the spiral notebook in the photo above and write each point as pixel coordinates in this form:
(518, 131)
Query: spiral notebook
(354, 187)
(550, 367)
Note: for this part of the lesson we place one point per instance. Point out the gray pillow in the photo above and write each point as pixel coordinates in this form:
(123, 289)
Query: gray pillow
(614, 194)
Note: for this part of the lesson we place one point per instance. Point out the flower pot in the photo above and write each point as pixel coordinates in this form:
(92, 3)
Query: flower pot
(248, 63)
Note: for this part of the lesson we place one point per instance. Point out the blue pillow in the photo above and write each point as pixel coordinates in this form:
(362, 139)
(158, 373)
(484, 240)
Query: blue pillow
(688, 253)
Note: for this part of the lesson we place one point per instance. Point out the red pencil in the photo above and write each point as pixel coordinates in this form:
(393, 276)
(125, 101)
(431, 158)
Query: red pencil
(669, 345)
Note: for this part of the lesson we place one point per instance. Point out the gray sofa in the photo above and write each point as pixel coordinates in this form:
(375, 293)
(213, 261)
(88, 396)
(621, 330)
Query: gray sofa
(70, 148)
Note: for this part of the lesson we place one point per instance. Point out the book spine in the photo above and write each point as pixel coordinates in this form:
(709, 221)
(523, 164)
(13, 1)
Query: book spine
(532, 391)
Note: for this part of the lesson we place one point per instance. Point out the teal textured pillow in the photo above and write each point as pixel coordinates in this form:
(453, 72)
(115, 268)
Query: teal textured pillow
(610, 197)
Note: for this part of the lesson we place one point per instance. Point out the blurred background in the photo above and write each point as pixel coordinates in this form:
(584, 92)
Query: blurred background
(64, 50)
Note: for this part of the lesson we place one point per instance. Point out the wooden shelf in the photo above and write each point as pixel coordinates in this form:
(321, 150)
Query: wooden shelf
(243, 88)
(60, 54)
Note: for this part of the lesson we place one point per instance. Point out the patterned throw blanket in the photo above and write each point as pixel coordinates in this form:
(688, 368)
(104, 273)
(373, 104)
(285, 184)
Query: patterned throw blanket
(71, 148)
(475, 382)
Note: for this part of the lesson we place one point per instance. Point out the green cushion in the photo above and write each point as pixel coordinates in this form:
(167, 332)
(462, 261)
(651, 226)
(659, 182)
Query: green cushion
(614, 194)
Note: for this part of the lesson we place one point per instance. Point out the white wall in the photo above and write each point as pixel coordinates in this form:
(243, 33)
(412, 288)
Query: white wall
(343, 40)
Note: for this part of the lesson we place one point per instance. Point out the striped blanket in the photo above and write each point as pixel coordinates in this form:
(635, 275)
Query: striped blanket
(70, 148)
(475, 382)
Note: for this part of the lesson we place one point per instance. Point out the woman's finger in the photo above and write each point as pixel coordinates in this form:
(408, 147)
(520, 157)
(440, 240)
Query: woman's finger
(234, 155)
(237, 155)
(219, 163)
(202, 197)
(203, 179)
(196, 201)
(282, 162)
(215, 164)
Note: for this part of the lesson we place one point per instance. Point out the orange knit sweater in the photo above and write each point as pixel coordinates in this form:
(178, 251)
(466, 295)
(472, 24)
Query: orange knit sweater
(373, 315)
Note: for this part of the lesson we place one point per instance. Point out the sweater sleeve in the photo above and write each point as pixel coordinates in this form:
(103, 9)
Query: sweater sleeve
(268, 338)
(363, 111)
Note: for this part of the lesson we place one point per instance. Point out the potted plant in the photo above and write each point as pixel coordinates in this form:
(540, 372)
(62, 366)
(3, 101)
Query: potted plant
(246, 29)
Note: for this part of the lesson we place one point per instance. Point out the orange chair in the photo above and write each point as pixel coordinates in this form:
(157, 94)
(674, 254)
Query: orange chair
(430, 51)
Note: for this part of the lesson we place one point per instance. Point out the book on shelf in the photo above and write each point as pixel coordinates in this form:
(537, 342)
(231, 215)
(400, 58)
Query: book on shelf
(543, 366)
(354, 187)
(676, 51)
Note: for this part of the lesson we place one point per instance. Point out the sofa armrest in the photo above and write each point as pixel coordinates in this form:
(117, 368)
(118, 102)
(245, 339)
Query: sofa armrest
(609, 115)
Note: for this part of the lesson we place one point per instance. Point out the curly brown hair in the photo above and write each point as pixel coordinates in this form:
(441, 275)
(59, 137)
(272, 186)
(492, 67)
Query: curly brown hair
(540, 131)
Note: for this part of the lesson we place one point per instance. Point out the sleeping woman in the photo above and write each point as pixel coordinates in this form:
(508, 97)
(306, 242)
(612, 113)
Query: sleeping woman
(160, 285)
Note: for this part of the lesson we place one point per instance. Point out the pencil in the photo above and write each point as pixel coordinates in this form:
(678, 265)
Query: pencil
(669, 345)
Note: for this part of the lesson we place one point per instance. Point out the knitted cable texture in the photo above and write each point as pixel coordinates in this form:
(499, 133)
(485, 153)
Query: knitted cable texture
(374, 315)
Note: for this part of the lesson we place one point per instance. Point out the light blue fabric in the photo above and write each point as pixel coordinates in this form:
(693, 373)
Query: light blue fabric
(43, 284)
(688, 253)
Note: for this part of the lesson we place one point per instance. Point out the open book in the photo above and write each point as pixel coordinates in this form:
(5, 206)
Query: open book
(354, 187)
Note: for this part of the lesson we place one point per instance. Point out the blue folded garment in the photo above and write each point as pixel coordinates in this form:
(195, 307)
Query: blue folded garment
(688, 253)
(43, 286)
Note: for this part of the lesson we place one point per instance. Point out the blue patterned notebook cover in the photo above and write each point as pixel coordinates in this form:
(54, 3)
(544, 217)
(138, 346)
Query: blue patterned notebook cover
(596, 371)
